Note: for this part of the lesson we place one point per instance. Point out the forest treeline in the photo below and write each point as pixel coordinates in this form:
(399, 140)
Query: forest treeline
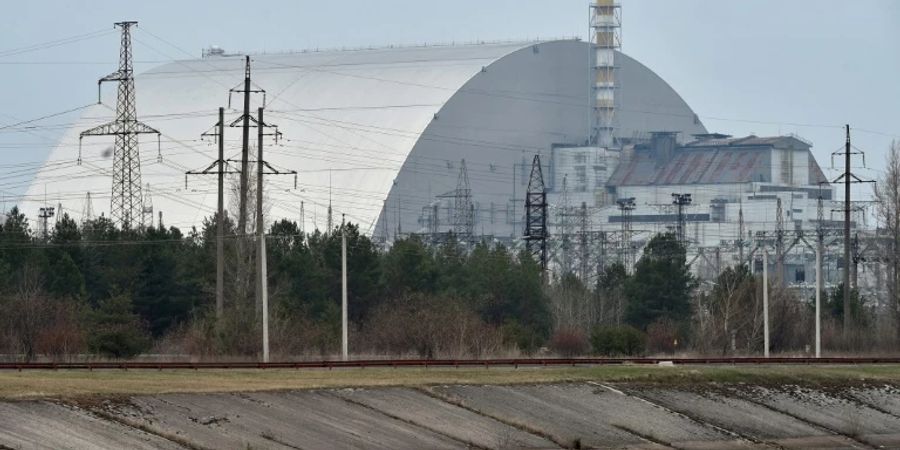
(90, 290)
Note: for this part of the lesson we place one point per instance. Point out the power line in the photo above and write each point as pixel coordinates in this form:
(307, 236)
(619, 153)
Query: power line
(53, 43)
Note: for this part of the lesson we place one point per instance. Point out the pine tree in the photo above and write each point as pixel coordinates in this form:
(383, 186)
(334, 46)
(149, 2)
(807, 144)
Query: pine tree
(661, 285)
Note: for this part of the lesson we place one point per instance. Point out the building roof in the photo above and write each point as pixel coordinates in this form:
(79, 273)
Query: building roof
(692, 166)
(722, 140)
(714, 160)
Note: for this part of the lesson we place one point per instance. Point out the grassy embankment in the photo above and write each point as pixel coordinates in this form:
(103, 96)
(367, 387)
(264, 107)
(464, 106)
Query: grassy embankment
(60, 384)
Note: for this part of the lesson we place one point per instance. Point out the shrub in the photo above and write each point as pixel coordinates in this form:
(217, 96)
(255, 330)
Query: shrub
(569, 342)
(117, 331)
(618, 340)
(63, 336)
(662, 336)
(430, 327)
(524, 338)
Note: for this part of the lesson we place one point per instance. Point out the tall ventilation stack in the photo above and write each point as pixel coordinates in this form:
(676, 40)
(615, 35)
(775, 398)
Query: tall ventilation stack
(606, 29)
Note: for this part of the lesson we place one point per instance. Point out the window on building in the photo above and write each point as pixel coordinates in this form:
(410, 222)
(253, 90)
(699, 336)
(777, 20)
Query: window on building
(580, 178)
(599, 176)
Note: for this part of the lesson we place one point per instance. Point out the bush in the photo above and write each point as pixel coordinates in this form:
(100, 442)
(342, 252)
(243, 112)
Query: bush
(64, 335)
(33, 324)
(431, 327)
(569, 343)
(521, 337)
(117, 331)
(618, 340)
(662, 336)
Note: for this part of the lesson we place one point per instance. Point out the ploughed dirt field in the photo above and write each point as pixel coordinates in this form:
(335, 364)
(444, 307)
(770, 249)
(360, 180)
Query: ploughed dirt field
(652, 408)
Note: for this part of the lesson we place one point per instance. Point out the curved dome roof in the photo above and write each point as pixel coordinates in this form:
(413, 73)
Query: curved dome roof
(363, 128)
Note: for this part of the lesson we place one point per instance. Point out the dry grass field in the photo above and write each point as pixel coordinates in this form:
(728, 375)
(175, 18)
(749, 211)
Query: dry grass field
(105, 383)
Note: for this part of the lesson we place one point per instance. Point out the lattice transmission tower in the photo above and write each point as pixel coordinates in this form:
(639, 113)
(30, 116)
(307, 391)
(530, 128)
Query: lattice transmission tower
(147, 209)
(87, 210)
(463, 207)
(536, 216)
(126, 205)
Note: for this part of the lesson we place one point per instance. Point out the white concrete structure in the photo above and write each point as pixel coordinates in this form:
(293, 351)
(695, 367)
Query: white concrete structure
(734, 184)
(379, 131)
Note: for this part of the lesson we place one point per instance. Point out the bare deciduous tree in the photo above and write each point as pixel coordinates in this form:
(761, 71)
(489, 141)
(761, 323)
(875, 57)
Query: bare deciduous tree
(887, 192)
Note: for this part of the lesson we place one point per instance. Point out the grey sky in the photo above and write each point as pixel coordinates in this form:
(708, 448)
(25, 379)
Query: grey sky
(763, 66)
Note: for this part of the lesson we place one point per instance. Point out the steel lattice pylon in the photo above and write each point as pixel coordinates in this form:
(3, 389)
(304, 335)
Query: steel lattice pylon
(126, 208)
(463, 208)
(536, 216)
(147, 208)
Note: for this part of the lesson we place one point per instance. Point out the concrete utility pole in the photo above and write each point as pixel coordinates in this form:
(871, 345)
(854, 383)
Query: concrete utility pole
(261, 275)
(220, 171)
(344, 333)
(302, 217)
(820, 249)
(245, 152)
(847, 319)
(818, 297)
(848, 178)
(220, 221)
(854, 259)
(740, 239)
(766, 303)
(779, 243)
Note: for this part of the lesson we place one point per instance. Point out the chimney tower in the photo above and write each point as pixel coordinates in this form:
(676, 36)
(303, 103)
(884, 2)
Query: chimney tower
(606, 35)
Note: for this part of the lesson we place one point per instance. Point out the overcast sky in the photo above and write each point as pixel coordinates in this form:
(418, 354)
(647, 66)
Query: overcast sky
(762, 66)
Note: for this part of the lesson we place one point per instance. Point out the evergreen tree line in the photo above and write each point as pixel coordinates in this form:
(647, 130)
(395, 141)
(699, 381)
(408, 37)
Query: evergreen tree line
(93, 289)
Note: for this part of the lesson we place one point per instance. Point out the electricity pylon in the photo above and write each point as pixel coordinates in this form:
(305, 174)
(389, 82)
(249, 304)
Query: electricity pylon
(126, 208)
(536, 217)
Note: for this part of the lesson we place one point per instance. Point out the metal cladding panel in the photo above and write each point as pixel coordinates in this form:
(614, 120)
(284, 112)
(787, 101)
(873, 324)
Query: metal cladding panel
(694, 166)
(349, 119)
(816, 175)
